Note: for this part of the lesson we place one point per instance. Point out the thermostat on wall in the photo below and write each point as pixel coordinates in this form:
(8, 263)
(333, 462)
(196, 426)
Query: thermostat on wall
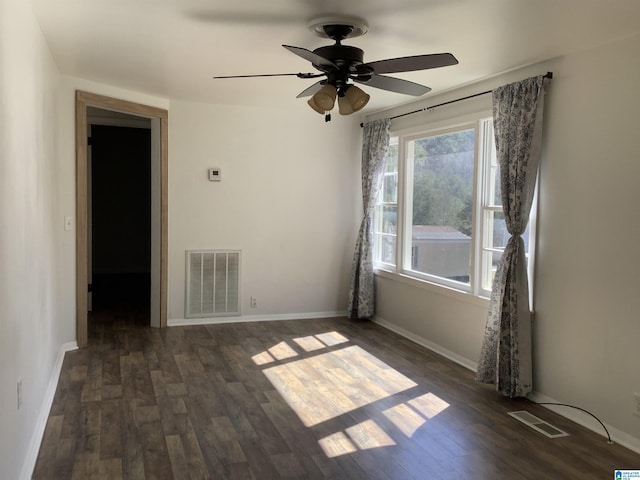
(215, 175)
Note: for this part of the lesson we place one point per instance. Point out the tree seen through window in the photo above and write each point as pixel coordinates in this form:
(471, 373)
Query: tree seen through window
(443, 180)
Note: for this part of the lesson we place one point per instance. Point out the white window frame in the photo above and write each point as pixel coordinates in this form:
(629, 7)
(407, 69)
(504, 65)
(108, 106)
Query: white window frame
(481, 231)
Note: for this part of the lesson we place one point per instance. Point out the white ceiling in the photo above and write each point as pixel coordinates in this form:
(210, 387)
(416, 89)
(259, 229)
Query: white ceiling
(173, 48)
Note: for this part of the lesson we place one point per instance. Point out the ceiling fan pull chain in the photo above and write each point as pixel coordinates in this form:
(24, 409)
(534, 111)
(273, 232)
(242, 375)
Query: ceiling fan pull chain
(327, 117)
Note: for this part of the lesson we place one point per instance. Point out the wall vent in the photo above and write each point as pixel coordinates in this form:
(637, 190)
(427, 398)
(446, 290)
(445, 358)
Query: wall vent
(538, 424)
(213, 279)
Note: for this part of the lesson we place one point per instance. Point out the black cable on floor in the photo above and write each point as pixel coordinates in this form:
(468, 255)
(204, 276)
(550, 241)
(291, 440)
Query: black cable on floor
(609, 441)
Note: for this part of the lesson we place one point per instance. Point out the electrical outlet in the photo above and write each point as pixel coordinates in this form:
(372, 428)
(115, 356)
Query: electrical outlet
(19, 392)
(254, 302)
(636, 404)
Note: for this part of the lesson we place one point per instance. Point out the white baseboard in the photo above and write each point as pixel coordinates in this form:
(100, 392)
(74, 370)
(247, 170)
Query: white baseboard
(585, 420)
(179, 322)
(434, 347)
(36, 438)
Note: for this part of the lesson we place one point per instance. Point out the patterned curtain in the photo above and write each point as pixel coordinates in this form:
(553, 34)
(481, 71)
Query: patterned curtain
(505, 357)
(375, 143)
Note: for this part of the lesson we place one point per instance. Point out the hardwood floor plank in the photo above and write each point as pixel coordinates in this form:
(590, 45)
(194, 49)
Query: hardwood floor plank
(188, 364)
(86, 465)
(154, 451)
(110, 435)
(196, 463)
(167, 365)
(88, 442)
(288, 466)
(173, 416)
(225, 440)
(177, 456)
(110, 469)
(336, 468)
(111, 368)
(132, 459)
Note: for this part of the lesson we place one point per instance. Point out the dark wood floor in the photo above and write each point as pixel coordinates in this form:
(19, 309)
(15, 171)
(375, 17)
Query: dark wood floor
(294, 399)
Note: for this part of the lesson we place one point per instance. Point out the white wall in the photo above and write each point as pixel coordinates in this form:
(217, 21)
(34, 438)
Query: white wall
(289, 199)
(446, 322)
(32, 229)
(587, 329)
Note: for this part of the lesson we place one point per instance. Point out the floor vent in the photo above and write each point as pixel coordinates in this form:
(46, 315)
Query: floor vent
(213, 279)
(538, 424)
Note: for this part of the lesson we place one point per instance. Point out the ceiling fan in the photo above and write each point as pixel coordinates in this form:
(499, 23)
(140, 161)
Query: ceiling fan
(339, 64)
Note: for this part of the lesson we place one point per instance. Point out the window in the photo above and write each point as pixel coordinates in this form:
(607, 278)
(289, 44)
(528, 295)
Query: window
(386, 212)
(439, 215)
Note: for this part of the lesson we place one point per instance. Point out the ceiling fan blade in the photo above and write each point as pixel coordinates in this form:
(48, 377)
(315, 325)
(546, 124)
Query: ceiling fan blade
(312, 90)
(393, 85)
(299, 75)
(410, 64)
(312, 57)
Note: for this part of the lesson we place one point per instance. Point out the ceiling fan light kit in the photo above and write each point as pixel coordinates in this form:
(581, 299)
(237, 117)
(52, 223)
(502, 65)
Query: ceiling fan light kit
(316, 107)
(342, 64)
(344, 107)
(350, 100)
(356, 98)
(324, 99)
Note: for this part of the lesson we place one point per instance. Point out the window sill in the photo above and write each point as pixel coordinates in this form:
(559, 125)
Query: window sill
(458, 295)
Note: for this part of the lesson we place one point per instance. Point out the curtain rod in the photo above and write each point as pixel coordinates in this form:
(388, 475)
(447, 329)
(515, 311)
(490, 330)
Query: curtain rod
(548, 75)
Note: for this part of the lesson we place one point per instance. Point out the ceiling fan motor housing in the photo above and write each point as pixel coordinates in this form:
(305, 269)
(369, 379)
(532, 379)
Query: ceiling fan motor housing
(341, 55)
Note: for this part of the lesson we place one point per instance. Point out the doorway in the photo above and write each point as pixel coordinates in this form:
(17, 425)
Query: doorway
(154, 272)
(119, 179)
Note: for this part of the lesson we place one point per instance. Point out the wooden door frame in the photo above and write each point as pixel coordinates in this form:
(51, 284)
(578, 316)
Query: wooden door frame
(84, 100)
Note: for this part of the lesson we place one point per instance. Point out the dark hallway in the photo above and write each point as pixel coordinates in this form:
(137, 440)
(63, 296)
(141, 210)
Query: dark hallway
(121, 220)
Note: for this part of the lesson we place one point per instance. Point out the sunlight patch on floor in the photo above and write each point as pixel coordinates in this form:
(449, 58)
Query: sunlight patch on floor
(428, 404)
(330, 384)
(332, 338)
(310, 343)
(363, 436)
(368, 434)
(405, 419)
(409, 418)
(337, 444)
(282, 351)
(263, 358)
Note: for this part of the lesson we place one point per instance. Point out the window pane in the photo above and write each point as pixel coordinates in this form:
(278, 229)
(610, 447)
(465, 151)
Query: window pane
(497, 229)
(388, 249)
(442, 182)
(492, 259)
(386, 217)
(495, 242)
(390, 188)
(386, 212)
(498, 233)
(392, 155)
(495, 190)
(389, 219)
